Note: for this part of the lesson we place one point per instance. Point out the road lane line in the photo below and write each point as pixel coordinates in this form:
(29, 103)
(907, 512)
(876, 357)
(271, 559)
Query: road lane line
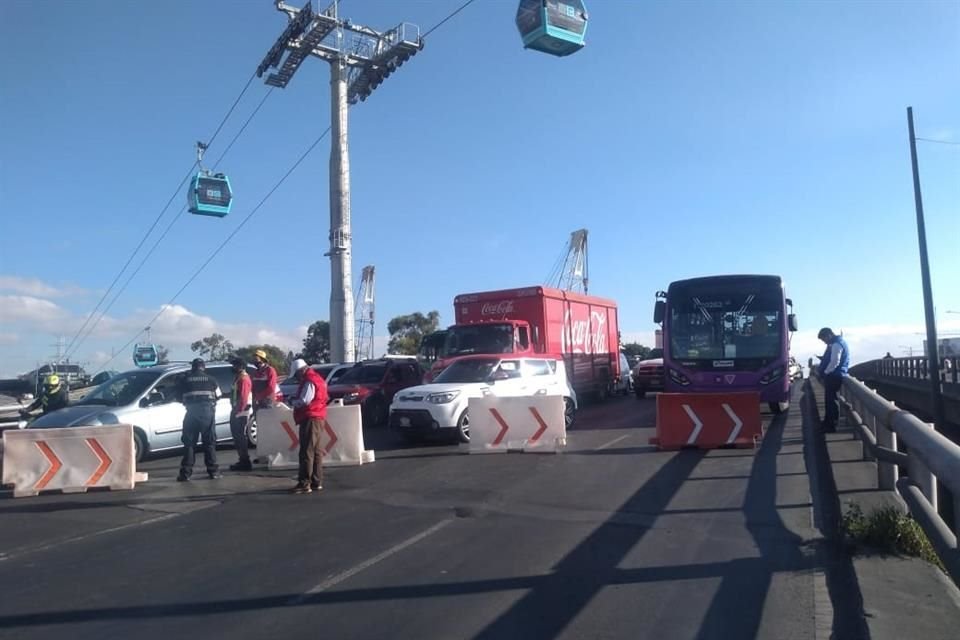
(612, 442)
(16, 553)
(366, 564)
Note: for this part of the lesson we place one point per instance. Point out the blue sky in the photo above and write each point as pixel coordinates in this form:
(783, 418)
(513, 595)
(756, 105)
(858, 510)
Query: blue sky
(690, 138)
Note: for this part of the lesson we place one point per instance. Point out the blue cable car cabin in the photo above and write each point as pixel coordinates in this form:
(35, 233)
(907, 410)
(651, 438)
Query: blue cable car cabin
(557, 27)
(145, 355)
(210, 195)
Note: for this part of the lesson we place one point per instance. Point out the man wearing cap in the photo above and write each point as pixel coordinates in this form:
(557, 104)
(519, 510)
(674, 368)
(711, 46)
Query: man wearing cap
(264, 381)
(241, 401)
(310, 414)
(833, 368)
(198, 392)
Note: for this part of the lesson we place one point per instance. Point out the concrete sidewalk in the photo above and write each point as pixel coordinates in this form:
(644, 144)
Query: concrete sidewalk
(901, 597)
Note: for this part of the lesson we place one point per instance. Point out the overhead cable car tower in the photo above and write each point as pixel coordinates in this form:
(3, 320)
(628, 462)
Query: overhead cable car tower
(360, 60)
(364, 312)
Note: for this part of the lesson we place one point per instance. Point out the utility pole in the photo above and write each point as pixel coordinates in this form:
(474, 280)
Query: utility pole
(360, 59)
(933, 360)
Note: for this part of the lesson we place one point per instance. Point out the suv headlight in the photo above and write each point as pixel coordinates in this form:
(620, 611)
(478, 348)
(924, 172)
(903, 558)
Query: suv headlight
(442, 398)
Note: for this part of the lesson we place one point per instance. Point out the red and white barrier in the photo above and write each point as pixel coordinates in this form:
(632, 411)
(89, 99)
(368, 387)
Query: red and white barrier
(278, 437)
(70, 459)
(707, 420)
(535, 423)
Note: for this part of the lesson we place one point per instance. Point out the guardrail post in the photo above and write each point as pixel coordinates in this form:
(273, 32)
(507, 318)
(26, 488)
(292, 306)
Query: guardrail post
(887, 473)
(921, 476)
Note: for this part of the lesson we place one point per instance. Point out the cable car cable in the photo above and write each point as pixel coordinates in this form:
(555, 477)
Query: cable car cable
(223, 244)
(440, 24)
(173, 221)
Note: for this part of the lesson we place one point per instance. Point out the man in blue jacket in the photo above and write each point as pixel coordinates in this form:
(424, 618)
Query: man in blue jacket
(833, 368)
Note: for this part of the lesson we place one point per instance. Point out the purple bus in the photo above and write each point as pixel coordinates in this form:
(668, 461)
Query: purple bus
(727, 333)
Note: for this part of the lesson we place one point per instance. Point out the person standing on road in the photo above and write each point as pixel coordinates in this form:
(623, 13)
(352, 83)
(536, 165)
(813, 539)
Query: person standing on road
(241, 402)
(198, 392)
(264, 381)
(833, 368)
(310, 414)
(53, 396)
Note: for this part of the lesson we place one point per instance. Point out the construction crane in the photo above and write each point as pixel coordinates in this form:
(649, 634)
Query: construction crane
(364, 313)
(570, 272)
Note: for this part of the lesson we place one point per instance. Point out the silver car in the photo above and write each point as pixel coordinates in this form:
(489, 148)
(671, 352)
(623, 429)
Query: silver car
(146, 399)
(330, 373)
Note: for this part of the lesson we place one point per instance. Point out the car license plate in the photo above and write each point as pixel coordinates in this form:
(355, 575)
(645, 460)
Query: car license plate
(404, 421)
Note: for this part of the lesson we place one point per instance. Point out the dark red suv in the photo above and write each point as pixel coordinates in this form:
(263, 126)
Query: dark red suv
(373, 383)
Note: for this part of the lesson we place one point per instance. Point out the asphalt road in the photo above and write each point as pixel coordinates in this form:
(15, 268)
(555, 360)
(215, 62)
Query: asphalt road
(610, 539)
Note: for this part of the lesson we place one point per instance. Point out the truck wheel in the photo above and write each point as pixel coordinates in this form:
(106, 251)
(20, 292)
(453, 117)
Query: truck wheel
(463, 427)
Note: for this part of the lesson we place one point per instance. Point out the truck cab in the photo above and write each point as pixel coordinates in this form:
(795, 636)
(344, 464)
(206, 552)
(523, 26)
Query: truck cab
(501, 337)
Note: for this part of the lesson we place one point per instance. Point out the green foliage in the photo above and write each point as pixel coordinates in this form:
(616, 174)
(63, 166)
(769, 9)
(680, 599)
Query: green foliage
(635, 349)
(887, 531)
(276, 356)
(316, 346)
(214, 347)
(406, 332)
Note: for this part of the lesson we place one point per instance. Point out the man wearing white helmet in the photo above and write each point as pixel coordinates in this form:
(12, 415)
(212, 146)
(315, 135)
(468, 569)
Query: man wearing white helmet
(310, 414)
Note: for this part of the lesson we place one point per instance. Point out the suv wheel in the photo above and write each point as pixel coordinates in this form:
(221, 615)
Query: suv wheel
(463, 427)
(569, 412)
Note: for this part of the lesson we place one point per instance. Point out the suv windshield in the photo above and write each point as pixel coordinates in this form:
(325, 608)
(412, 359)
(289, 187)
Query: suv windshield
(122, 389)
(363, 374)
(478, 370)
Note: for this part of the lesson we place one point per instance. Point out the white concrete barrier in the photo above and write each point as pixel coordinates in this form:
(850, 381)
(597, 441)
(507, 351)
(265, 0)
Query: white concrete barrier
(70, 459)
(517, 424)
(278, 437)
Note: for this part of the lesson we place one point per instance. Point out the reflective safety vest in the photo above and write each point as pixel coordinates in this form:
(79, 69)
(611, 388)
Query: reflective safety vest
(241, 398)
(316, 408)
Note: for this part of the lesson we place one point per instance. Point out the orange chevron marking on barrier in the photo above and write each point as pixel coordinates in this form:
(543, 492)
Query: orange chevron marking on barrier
(333, 438)
(55, 464)
(543, 425)
(503, 425)
(294, 438)
(105, 462)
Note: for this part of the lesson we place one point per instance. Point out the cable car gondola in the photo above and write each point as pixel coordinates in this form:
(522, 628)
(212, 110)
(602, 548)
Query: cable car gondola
(145, 355)
(209, 193)
(557, 27)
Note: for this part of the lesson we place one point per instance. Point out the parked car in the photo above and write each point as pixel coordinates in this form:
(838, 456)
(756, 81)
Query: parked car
(373, 383)
(648, 375)
(146, 399)
(441, 407)
(330, 372)
(102, 377)
(624, 382)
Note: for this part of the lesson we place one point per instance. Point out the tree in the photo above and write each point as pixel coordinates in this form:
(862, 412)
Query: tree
(214, 347)
(163, 354)
(276, 357)
(406, 332)
(316, 346)
(635, 349)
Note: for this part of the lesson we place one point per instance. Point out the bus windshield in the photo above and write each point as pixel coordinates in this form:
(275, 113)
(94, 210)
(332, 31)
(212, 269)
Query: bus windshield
(723, 325)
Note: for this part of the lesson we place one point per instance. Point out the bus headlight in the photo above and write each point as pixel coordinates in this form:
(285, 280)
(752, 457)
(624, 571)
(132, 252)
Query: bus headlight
(679, 378)
(772, 376)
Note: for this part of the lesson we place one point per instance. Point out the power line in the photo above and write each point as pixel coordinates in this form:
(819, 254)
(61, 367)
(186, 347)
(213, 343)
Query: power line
(441, 23)
(160, 239)
(223, 244)
(161, 214)
(938, 141)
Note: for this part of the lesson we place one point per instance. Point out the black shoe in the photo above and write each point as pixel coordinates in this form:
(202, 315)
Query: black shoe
(215, 475)
(316, 487)
(301, 489)
(241, 466)
(183, 478)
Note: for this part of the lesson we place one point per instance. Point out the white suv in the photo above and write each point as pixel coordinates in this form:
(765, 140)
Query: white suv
(441, 407)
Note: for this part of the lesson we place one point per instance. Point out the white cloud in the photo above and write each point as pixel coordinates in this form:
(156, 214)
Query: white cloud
(31, 310)
(38, 288)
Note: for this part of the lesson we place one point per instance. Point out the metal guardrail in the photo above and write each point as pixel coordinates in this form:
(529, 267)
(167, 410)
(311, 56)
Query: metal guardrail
(909, 369)
(929, 457)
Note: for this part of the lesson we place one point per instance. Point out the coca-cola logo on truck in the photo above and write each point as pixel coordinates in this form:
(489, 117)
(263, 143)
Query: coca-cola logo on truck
(501, 308)
(585, 336)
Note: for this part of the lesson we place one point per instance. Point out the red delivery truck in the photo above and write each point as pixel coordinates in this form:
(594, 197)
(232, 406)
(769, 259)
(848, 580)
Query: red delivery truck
(581, 329)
